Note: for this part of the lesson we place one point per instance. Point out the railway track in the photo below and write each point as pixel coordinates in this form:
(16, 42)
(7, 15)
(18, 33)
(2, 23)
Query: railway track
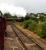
(12, 42)
(27, 43)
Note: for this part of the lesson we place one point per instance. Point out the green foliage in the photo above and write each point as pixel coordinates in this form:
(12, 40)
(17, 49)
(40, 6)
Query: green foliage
(1, 13)
(42, 18)
(22, 19)
(30, 24)
(14, 16)
(27, 17)
(37, 25)
(7, 15)
(43, 32)
(26, 23)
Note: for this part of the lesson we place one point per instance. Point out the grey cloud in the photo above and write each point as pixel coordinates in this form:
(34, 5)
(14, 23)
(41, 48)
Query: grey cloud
(32, 5)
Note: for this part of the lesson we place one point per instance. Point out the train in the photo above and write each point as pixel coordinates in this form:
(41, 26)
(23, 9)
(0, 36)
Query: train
(2, 30)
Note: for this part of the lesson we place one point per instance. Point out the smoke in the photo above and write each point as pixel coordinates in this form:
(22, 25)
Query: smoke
(13, 10)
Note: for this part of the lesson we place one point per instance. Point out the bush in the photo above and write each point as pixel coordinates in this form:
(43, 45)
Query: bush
(38, 27)
(30, 24)
(43, 32)
(26, 23)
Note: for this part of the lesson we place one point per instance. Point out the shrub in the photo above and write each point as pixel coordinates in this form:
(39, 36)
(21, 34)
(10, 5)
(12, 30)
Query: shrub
(43, 32)
(30, 24)
(26, 23)
(38, 27)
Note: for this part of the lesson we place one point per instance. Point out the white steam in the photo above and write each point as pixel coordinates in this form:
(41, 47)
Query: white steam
(12, 9)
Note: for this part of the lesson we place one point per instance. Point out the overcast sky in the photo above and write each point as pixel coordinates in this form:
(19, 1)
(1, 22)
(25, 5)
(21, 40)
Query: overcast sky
(24, 6)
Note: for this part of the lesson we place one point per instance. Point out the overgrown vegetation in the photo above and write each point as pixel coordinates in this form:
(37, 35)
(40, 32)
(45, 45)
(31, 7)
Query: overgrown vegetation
(33, 22)
(43, 31)
(36, 24)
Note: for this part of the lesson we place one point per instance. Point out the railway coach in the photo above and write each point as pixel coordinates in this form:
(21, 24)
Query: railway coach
(2, 30)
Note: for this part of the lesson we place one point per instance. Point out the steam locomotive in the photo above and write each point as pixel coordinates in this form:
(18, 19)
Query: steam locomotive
(2, 30)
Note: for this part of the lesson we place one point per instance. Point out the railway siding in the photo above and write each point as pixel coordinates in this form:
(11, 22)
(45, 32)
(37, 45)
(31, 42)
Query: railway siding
(28, 42)
(34, 37)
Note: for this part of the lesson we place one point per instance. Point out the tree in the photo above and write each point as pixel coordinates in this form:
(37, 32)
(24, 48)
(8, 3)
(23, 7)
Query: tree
(27, 16)
(15, 16)
(7, 15)
(1, 13)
